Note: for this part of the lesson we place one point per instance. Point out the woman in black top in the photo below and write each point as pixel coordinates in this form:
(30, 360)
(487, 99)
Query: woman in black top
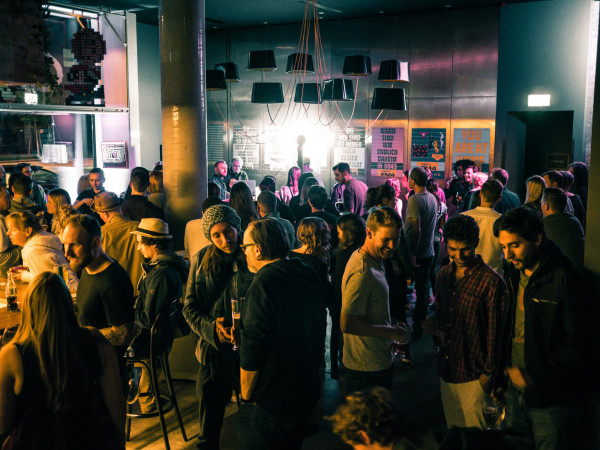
(352, 233)
(59, 383)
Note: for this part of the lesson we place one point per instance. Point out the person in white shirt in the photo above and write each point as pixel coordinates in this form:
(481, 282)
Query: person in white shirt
(485, 216)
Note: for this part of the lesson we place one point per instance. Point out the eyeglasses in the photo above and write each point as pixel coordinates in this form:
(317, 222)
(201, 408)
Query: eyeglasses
(243, 246)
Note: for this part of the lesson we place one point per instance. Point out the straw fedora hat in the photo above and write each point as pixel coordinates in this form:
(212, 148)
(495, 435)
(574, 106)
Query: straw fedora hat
(153, 228)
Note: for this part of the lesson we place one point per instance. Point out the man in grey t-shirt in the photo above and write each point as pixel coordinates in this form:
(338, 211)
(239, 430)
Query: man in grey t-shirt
(421, 214)
(365, 317)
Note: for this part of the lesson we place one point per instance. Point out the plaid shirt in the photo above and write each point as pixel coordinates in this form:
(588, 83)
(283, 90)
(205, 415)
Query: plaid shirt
(471, 310)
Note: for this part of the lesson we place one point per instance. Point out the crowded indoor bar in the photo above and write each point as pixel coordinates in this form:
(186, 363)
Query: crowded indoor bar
(299, 224)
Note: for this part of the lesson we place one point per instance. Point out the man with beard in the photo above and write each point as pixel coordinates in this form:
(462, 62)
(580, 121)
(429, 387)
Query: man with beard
(543, 333)
(105, 293)
(365, 317)
(281, 346)
(469, 298)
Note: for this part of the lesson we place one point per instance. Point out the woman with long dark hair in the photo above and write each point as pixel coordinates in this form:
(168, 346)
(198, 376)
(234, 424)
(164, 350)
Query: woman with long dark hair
(218, 274)
(59, 383)
(240, 199)
(352, 233)
(580, 185)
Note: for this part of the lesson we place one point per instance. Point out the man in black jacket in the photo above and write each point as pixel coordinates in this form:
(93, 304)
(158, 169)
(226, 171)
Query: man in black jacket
(542, 343)
(280, 347)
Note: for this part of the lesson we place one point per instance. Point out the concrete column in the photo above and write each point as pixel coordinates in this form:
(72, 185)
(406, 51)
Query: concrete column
(183, 97)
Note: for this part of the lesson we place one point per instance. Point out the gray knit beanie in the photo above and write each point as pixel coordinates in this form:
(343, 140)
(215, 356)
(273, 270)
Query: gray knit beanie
(220, 213)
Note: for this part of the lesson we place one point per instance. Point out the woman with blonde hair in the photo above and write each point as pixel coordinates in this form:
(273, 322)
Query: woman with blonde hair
(535, 191)
(58, 199)
(156, 192)
(59, 382)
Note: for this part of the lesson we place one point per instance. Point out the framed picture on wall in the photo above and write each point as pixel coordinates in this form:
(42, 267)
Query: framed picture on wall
(114, 154)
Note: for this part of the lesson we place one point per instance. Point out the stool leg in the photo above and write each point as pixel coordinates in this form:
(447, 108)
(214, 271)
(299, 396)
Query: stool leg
(164, 360)
(158, 401)
(128, 423)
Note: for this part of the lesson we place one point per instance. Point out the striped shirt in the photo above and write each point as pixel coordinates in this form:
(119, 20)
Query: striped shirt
(471, 311)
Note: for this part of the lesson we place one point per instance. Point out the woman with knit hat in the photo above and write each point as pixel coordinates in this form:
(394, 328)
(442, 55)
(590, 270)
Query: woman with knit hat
(218, 273)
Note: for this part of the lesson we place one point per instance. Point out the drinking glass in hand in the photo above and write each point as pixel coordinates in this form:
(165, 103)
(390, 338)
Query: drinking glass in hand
(399, 347)
(493, 415)
(438, 333)
(236, 313)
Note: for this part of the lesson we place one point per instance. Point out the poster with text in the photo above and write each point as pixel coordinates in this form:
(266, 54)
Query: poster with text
(245, 145)
(473, 144)
(349, 147)
(387, 152)
(428, 149)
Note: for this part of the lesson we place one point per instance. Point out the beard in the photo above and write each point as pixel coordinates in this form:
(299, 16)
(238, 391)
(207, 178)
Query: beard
(77, 264)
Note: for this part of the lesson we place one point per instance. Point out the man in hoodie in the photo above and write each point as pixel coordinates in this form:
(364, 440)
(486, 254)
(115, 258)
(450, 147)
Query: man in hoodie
(160, 289)
(542, 345)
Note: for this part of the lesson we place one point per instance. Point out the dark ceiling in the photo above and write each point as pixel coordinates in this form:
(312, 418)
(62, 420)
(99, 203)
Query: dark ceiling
(245, 13)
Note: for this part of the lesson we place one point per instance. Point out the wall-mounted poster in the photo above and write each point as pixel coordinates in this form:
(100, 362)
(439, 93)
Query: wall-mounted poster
(114, 154)
(387, 152)
(473, 144)
(428, 149)
(246, 147)
(349, 147)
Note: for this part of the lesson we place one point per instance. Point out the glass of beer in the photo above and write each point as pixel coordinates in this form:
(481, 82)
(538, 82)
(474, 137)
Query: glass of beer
(438, 333)
(493, 415)
(236, 315)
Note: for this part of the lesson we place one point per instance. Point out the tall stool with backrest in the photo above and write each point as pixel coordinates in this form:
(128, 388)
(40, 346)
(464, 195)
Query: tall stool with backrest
(161, 340)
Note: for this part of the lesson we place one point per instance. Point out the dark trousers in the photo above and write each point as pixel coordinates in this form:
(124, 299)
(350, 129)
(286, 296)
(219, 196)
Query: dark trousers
(213, 391)
(358, 380)
(422, 288)
(436, 254)
(259, 429)
(546, 426)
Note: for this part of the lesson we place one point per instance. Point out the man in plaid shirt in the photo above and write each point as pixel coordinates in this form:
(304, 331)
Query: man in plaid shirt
(470, 299)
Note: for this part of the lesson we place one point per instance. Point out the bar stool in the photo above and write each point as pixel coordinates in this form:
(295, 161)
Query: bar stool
(158, 357)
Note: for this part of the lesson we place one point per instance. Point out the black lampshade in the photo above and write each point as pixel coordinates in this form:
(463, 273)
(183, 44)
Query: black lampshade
(386, 98)
(308, 93)
(215, 80)
(262, 60)
(357, 65)
(338, 89)
(267, 93)
(300, 63)
(393, 70)
(232, 74)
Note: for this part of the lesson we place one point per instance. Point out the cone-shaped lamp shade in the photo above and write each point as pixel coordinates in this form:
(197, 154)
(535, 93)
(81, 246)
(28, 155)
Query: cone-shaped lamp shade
(232, 74)
(262, 60)
(308, 93)
(386, 98)
(338, 89)
(300, 63)
(393, 70)
(267, 93)
(357, 65)
(215, 80)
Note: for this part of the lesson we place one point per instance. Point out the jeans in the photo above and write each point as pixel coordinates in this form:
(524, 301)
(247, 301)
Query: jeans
(213, 391)
(258, 429)
(422, 289)
(359, 380)
(546, 426)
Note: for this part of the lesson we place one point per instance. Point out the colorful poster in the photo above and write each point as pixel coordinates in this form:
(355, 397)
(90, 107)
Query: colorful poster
(473, 144)
(387, 152)
(349, 147)
(246, 147)
(428, 149)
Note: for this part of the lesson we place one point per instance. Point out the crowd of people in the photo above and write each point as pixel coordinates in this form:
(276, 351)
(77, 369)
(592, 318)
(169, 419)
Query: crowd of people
(496, 283)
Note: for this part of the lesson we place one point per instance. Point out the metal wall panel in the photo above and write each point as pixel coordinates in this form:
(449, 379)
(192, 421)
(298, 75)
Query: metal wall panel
(475, 59)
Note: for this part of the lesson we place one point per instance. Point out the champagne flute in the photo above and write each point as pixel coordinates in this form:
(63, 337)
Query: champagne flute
(236, 315)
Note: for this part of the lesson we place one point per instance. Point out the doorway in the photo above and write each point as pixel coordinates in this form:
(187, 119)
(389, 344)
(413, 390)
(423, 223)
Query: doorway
(536, 141)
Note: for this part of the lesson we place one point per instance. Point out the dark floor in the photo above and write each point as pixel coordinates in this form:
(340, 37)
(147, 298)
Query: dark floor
(416, 391)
